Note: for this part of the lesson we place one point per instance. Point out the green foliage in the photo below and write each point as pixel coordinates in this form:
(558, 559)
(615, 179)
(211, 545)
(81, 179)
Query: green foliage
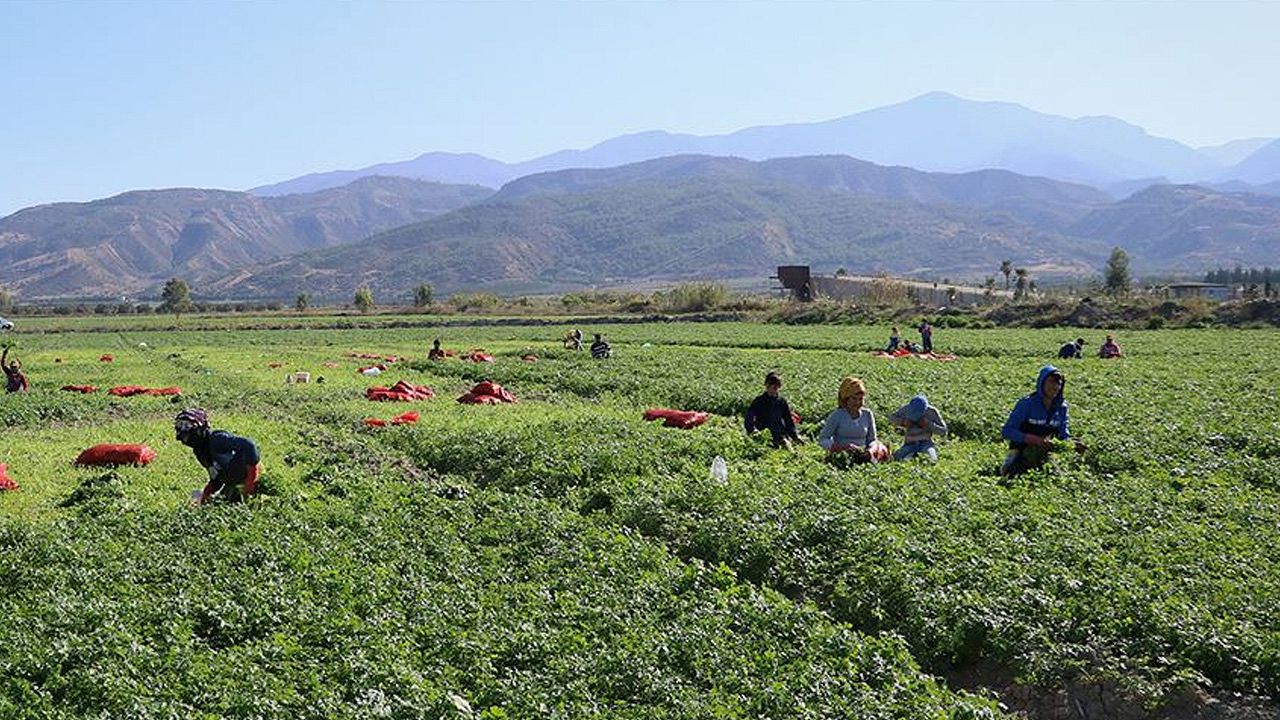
(423, 295)
(363, 299)
(302, 302)
(1118, 280)
(694, 297)
(562, 553)
(175, 298)
(474, 301)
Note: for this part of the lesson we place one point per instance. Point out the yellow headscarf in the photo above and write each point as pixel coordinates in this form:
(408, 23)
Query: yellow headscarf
(848, 386)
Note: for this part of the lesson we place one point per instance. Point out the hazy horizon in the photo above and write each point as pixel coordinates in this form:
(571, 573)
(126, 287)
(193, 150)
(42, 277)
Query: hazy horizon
(109, 97)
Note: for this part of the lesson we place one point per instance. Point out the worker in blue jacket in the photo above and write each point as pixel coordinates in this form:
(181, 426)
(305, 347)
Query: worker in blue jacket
(1034, 423)
(231, 460)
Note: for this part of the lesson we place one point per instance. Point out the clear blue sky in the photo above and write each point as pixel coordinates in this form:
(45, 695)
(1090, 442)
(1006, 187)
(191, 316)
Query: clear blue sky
(101, 97)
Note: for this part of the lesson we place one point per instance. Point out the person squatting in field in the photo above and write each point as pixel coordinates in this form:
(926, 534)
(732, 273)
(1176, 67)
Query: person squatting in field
(14, 380)
(851, 428)
(920, 421)
(1110, 348)
(1072, 350)
(771, 412)
(436, 352)
(1035, 420)
(232, 461)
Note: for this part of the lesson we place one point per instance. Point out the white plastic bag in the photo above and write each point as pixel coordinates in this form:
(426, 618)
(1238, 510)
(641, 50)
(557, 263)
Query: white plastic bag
(719, 470)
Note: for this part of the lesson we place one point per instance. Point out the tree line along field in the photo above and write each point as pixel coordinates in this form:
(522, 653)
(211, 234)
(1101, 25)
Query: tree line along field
(562, 558)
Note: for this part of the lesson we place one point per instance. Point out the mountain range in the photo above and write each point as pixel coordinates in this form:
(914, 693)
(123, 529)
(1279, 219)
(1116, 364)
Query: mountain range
(988, 185)
(701, 217)
(128, 243)
(936, 132)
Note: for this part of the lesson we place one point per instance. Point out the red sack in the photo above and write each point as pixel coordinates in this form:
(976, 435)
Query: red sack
(275, 364)
(108, 454)
(493, 389)
(126, 390)
(408, 418)
(683, 419)
(375, 422)
(530, 358)
(400, 392)
(107, 358)
(479, 357)
(6, 482)
(163, 391)
(80, 388)
(795, 417)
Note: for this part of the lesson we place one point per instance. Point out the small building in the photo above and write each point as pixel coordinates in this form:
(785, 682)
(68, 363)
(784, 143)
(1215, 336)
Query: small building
(1213, 291)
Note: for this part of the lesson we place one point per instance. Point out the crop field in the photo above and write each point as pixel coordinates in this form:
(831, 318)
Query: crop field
(562, 558)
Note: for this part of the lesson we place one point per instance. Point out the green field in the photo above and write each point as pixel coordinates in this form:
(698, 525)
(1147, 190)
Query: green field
(562, 558)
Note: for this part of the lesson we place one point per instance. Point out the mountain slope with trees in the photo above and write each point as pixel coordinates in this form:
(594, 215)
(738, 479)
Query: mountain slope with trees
(136, 240)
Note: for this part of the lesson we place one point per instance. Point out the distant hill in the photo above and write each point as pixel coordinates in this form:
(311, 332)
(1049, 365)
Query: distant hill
(1186, 227)
(1232, 153)
(699, 217)
(937, 131)
(131, 242)
(1259, 168)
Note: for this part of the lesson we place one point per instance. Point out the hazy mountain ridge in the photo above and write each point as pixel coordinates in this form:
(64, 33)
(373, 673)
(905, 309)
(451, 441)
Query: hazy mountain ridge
(129, 242)
(932, 132)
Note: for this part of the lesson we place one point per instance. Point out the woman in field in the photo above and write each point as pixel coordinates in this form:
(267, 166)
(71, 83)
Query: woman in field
(852, 428)
(232, 461)
(14, 380)
(1036, 419)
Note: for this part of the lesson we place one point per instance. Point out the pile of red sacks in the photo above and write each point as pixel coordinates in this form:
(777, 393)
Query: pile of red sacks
(374, 356)
(6, 482)
(487, 393)
(80, 388)
(409, 418)
(683, 419)
(900, 353)
(131, 390)
(400, 392)
(107, 358)
(112, 455)
(477, 355)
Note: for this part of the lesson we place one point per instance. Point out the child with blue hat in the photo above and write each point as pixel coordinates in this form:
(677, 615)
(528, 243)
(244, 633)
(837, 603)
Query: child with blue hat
(920, 421)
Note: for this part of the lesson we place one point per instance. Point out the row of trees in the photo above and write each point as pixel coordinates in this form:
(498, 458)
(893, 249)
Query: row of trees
(176, 298)
(1117, 281)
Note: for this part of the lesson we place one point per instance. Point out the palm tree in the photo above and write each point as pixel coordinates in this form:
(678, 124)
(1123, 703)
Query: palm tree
(1006, 267)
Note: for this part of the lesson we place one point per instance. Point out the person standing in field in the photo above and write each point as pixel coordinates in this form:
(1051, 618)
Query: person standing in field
(231, 460)
(14, 379)
(1035, 421)
(851, 428)
(920, 421)
(926, 336)
(771, 412)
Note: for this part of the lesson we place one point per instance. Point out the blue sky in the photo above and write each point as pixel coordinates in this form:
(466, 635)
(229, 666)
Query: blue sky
(101, 97)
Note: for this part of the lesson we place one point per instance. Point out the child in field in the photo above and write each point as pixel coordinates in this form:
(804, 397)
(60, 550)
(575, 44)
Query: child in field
(14, 380)
(1035, 420)
(232, 461)
(920, 421)
(851, 428)
(771, 412)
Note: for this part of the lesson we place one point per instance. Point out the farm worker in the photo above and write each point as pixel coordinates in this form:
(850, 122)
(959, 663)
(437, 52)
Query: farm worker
(895, 339)
(1072, 350)
(14, 380)
(920, 421)
(232, 461)
(771, 412)
(436, 353)
(1035, 420)
(1109, 348)
(600, 348)
(851, 427)
(926, 336)
(575, 339)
